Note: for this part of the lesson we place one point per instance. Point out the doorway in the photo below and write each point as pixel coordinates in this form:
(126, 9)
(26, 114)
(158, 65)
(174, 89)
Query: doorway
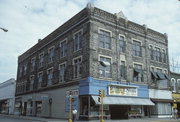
(119, 112)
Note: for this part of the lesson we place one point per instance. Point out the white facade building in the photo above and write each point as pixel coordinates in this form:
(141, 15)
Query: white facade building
(7, 96)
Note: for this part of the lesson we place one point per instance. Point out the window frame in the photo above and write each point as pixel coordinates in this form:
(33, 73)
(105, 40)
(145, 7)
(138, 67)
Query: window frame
(41, 59)
(59, 68)
(62, 48)
(124, 44)
(49, 81)
(79, 67)
(79, 42)
(105, 68)
(104, 42)
(135, 51)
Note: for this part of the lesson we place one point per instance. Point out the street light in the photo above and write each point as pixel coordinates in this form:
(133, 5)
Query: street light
(5, 30)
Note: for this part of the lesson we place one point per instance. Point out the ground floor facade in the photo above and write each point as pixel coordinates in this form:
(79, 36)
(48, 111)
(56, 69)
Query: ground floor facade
(7, 106)
(121, 101)
(163, 103)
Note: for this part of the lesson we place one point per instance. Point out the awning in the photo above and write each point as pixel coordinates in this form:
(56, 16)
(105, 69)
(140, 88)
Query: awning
(161, 76)
(167, 77)
(154, 74)
(138, 70)
(123, 101)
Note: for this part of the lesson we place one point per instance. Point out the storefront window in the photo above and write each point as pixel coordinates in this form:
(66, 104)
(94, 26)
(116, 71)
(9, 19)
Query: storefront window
(38, 107)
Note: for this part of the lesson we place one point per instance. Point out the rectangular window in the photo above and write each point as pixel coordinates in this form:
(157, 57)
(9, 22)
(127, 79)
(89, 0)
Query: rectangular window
(123, 69)
(33, 61)
(25, 69)
(41, 60)
(105, 67)
(78, 38)
(20, 71)
(40, 77)
(163, 55)
(122, 44)
(104, 39)
(62, 68)
(77, 67)
(137, 51)
(50, 76)
(63, 48)
(31, 82)
(157, 54)
(51, 54)
(151, 52)
(138, 73)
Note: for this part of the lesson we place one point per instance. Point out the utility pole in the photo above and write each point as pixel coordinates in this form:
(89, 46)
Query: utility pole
(70, 106)
(100, 99)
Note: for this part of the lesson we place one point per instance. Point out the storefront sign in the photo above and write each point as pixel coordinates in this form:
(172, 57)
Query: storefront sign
(122, 90)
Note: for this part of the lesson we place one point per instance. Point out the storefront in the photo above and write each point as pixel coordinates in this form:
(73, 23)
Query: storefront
(176, 102)
(122, 101)
(163, 103)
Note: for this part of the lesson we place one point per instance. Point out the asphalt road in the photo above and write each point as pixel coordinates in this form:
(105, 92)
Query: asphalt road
(11, 119)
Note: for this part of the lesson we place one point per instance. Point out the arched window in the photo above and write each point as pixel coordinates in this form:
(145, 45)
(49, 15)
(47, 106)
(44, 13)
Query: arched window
(178, 85)
(173, 84)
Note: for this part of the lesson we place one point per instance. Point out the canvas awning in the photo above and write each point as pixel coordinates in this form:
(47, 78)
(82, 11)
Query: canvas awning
(161, 76)
(154, 74)
(123, 101)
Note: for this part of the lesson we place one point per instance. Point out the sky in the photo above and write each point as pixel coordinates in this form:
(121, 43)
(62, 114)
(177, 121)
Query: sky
(30, 20)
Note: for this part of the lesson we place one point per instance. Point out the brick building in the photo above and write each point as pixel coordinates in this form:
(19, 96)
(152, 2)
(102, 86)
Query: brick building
(95, 50)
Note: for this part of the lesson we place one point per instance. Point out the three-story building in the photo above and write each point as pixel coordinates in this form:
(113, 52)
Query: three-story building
(95, 50)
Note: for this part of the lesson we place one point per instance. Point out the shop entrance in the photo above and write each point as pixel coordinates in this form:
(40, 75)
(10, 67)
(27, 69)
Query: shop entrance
(118, 112)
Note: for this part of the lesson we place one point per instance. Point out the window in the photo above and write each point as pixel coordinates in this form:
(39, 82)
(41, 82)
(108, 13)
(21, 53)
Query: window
(40, 77)
(178, 85)
(78, 40)
(50, 76)
(31, 82)
(151, 52)
(62, 68)
(138, 74)
(77, 67)
(33, 64)
(25, 69)
(159, 70)
(137, 51)
(20, 71)
(63, 48)
(105, 70)
(157, 55)
(41, 60)
(163, 55)
(104, 39)
(173, 84)
(51, 54)
(123, 70)
(122, 44)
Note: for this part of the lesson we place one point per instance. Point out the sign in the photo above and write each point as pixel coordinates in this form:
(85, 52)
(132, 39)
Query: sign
(122, 90)
(75, 99)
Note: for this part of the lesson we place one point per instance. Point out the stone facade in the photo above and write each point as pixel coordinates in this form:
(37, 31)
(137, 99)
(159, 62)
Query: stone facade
(90, 22)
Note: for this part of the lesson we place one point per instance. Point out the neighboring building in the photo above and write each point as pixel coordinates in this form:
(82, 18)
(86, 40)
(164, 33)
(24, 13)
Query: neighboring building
(175, 87)
(95, 50)
(7, 96)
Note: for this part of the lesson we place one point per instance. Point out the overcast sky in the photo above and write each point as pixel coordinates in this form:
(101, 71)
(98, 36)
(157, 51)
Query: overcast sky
(30, 20)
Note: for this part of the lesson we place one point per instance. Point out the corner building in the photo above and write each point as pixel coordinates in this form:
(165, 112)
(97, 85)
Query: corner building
(94, 50)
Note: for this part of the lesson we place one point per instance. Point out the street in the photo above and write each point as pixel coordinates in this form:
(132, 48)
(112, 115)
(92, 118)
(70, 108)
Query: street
(12, 118)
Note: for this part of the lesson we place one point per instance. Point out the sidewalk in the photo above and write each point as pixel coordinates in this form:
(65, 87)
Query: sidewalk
(65, 120)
